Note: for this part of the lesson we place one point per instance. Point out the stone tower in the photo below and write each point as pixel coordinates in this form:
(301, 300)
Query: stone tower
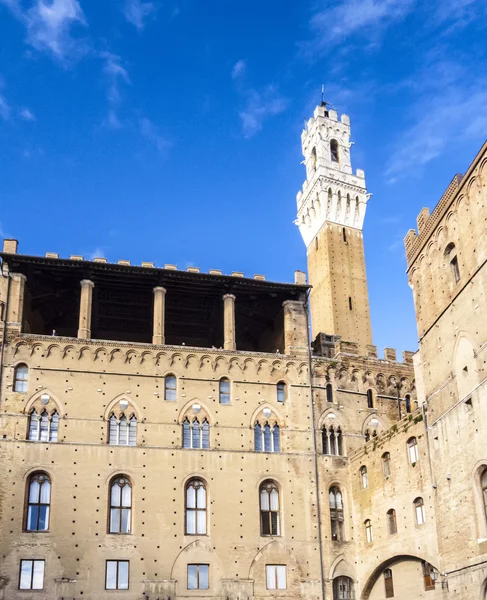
(331, 211)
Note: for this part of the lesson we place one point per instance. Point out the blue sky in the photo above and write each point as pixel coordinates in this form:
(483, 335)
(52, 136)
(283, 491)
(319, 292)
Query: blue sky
(169, 131)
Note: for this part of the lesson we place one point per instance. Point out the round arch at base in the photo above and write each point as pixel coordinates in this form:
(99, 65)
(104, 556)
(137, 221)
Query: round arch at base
(378, 571)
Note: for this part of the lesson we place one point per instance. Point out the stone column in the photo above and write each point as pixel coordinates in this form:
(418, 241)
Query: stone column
(295, 330)
(229, 322)
(158, 333)
(16, 300)
(84, 329)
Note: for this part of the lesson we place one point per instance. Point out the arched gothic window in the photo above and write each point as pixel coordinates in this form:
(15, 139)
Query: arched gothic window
(281, 391)
(368, 531)
(419, 511)
(38, 502)
(120, 505)
(332, 441)
(269, 509)
(483, 483)
(364, 478)
(391, 521)
(224, 391)
(21, 378)
(196, 434)
(170, 388)
(343, 588)
(43, 427)
(267, 438)
(334, 150)
(122, 431)
(451, 256)
(313, 160)
(196, 504)
(407, 399)
(413, 453)
(388, 583)
(336, 515)
(329, 392)
(386, 465)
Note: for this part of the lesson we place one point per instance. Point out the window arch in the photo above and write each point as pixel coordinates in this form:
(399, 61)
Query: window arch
(120, 505)
(196, 433)
(419, 511)
(313, 160)
(334, 150)
(224, 391)
(483, 485)
(336, 514)
(413, 452)
(270, 520)
(281, 391)
(388, 583)
(329, 392)
(370, 398)
(195, 507)
(386, 465)
(368, 531)
(364, 477)
(267, 438)
(21, 378)
(122, 431)
(38, 502)
(170, 388)
(332, 440)
(391, 521)
(451, 256)
(43, 427)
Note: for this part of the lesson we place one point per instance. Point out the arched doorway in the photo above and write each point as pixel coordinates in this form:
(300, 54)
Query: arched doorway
(343, 588)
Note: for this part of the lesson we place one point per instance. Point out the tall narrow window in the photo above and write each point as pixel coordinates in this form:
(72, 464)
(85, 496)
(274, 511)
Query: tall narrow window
(386, 465)
(269, 509)
(122, 431)
(275, 576)
(368, 531)
(391, 521)
(117, 575)
(196, 434)
(336, 515)
(483, 483)
(455, 269)
(170, 388)
(419, 511)
(224, 391)
(120, 506)
(39, 502)
(281, 391)
(21, 376)
(344, 234)
(370, 398)
(388, 583)
(429, 576)
(413, 450)
(257, 438)
(329, 392)
(198, 577)
(350, 302)
(364, 478)
(43, 427)
(31, 575)
(451, 256)
(195, 507)
(407, 400)
(332, 441)
(334, 150)
(267, 438)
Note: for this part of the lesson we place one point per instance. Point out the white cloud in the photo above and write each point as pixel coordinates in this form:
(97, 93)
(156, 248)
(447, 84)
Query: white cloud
(150, 132)
(136, 12)
(49, 28)
(260, 105)
(116, 75)
(238, 69)
(4, 108)
(27, 115)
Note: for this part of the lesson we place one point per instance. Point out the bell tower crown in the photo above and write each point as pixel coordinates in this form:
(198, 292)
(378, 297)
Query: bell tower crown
(331, 192)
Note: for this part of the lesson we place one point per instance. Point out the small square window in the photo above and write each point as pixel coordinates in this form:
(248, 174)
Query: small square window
(198, 577)
(117, 575)
(276, 577)
(31, 575)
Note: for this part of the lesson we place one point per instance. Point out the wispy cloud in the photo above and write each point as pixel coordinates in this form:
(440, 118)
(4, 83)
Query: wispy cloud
(116, 75)
(27, 115)
(136, 12)
(151, 133)
(258, 105)
(4, 108)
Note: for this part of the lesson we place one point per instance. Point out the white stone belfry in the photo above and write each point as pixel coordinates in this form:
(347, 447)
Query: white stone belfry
(331, 192)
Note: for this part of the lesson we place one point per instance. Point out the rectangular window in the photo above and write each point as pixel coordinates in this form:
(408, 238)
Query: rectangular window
(275, 577)
(429, 576)
(117, 575)
(198, 577)
(31, 575)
